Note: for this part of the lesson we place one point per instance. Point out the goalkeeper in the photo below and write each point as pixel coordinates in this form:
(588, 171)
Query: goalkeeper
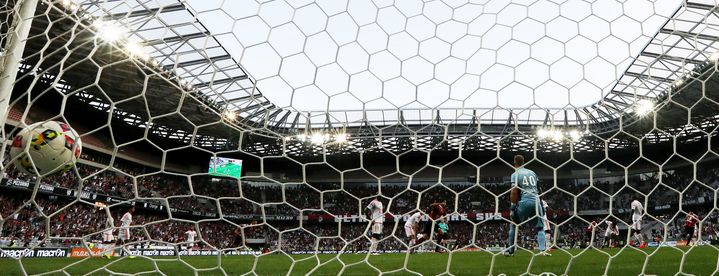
(442, 233)
(525, 205)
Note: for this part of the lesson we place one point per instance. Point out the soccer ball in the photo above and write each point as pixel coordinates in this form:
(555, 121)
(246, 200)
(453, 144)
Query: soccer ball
(50, 146)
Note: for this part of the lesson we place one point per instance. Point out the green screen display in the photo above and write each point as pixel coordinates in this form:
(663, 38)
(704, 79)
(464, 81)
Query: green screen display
(220, 166)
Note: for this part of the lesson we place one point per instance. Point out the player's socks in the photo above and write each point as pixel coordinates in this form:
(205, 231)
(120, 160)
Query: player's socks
(108, 250)
(420, 239)
(640, 240)
(548, 239)
(510, 242)
(373, 246)
(541, 241)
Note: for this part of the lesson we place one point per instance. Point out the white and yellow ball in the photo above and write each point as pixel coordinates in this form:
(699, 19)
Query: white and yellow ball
(46, 147)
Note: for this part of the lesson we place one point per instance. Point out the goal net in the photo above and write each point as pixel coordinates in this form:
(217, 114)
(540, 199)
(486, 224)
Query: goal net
(360, 137)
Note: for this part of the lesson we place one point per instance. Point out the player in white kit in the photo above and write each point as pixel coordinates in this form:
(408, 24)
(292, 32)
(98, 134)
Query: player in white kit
(123, 236)
(611, 233)
(125, 222)
(190, 234)
(376, 219)
(108, 235)
(547, 226)
(411, 227)
(637, 214)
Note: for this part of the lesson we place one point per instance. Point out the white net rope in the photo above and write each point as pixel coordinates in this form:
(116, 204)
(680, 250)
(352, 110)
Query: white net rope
(329, 105)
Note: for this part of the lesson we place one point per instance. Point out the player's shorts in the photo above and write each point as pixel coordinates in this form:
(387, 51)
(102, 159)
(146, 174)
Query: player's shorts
(547, 226)
(689, 230)
(409, 231)
(637, 224)
(191, 243)
(527, 210)
(124, 234)
(442, 236)
(238, 241)
(427, 227)
(107, 236)
(376, 228)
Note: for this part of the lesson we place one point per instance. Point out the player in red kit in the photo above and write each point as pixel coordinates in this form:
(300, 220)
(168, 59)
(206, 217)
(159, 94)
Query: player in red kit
(588, 233)
(436, 211)
(689, 226)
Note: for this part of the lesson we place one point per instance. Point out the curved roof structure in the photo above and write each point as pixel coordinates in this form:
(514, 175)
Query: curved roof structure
(324, 63)
(197, 64)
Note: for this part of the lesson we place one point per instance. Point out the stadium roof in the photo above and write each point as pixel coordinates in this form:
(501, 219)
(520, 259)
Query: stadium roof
(358, 55)
(316, 64)
(171, 36)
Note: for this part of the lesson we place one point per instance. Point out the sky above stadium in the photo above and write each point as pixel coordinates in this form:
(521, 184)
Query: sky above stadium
(330, 55)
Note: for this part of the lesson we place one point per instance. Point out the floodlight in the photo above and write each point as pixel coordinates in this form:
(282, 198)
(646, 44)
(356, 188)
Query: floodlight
(678, 82)
(98, 24)
(557, 135)
(543, 133)
(136, 50)
(714, 57)
(301, 137)
(341, 138)
(229, 115)
(109, 31)
(575, 135)
(643, 107)
(318, 138)
(68, 4)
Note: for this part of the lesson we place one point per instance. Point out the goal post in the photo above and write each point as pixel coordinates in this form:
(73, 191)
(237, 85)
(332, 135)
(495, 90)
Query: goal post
(14, 46)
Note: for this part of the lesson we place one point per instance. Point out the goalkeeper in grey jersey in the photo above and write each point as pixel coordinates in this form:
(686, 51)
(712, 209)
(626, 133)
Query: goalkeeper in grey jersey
(525, 205)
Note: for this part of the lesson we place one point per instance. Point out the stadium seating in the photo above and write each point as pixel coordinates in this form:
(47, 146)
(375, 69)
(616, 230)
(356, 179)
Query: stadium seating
(28, 225)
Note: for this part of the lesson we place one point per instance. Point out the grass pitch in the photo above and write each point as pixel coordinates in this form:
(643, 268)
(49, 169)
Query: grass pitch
(700, 260)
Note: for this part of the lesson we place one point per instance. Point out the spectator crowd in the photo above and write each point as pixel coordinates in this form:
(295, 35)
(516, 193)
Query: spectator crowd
(58, 220)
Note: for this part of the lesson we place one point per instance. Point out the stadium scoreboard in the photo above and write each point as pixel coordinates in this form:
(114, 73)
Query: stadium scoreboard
(225, 167)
